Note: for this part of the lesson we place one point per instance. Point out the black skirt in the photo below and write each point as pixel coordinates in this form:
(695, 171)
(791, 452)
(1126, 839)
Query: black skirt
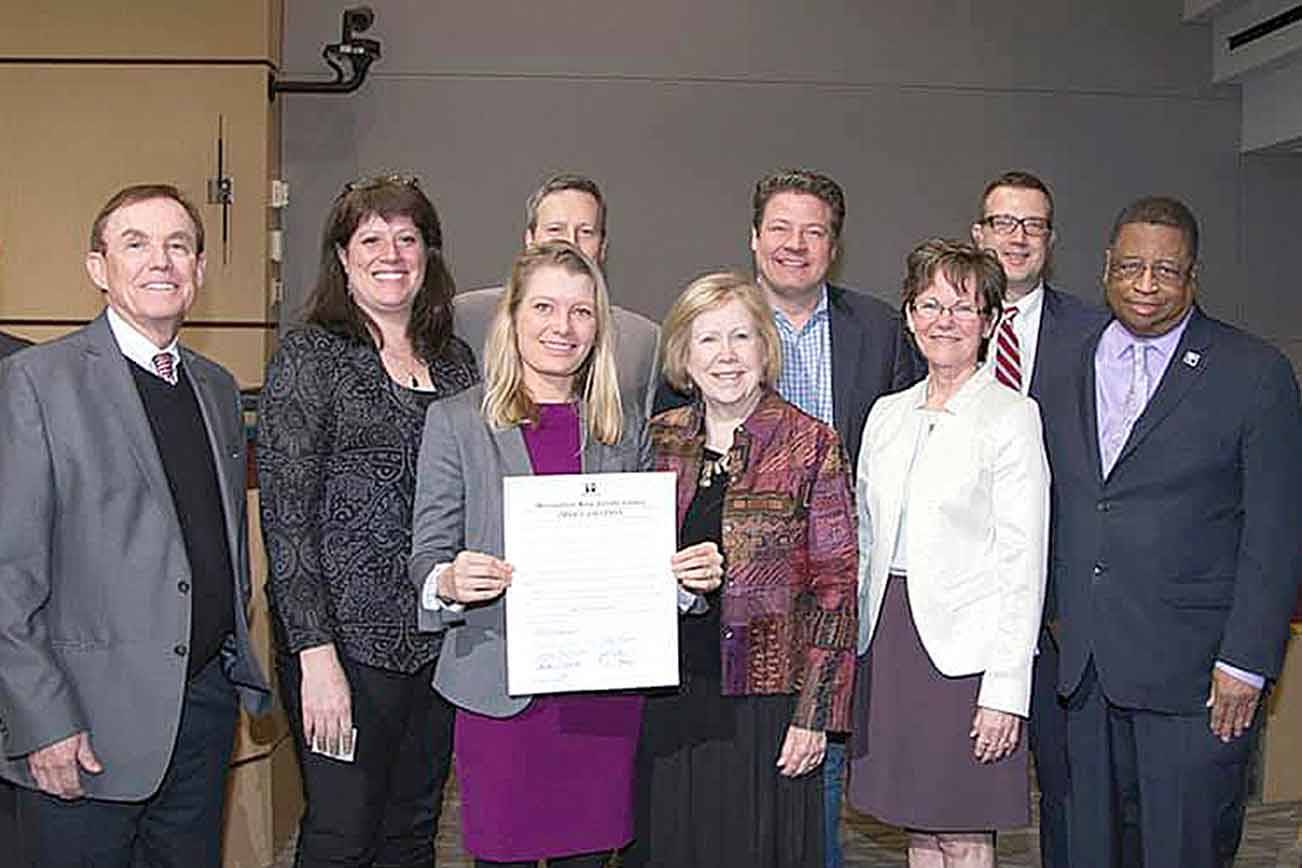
(911, 761)
(708, 790)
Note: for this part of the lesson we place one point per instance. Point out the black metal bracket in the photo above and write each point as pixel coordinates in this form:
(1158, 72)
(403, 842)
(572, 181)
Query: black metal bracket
(351, 49)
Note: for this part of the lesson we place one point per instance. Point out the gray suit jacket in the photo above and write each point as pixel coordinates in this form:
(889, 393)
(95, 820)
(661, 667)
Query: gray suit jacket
(94, 609)
(637, 343)
(10, 344)
(459, 507)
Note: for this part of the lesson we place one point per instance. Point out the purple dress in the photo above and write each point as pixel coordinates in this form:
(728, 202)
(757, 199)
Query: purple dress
(557, 779)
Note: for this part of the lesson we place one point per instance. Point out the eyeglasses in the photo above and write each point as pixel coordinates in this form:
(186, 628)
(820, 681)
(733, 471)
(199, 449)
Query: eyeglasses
(961, 311)
(377, 181)
(1164, 273)
(1006, 224)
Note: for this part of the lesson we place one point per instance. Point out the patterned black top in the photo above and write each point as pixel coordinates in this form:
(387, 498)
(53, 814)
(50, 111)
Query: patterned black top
(337, 447)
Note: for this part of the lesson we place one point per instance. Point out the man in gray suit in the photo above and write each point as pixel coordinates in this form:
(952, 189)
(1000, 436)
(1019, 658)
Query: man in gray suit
(570, 207)
(8, 830)
(124, 563)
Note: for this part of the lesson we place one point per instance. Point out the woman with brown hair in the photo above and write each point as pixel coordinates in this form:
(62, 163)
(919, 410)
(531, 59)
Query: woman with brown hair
(339, 428)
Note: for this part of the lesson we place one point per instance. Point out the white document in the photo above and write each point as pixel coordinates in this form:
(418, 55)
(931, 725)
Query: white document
(593, 604)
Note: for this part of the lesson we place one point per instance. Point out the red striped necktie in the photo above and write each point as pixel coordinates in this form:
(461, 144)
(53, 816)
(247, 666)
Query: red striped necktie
(163, 367)
(1008, 353)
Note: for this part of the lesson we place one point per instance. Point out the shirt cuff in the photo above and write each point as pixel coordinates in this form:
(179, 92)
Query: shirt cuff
(429, 594)
(1252, 679)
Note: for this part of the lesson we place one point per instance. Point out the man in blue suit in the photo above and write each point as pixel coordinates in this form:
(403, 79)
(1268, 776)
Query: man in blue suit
(1039, 340)
(1177, 509)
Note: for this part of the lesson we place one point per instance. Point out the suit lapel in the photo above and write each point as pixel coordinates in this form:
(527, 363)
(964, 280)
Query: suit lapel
(215, 414)
(511, 451)
(847, 345)
(1179, 377)
(1086, 402)
(1044, 341)
(109, 379)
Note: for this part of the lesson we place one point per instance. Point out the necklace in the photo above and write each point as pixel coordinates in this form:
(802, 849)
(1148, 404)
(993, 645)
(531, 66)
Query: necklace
(712, 467)
(407, 368)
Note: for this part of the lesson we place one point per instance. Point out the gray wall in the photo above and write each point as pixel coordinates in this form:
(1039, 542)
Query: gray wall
(678, 106)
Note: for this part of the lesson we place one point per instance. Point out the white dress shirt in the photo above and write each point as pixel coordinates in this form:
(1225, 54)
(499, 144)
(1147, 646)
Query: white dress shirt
(138, 348)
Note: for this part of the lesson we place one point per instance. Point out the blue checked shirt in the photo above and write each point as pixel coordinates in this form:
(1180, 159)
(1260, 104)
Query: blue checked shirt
(806, 379)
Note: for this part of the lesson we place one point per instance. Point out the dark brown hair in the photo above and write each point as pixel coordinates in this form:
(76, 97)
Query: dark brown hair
(331, 306)
(142, 193)
(799, 181)
(959, 262)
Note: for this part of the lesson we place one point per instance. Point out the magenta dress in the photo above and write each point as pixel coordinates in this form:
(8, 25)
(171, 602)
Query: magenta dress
(557, 779)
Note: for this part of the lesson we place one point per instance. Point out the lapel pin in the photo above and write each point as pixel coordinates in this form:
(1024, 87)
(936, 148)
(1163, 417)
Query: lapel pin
(1192, 359)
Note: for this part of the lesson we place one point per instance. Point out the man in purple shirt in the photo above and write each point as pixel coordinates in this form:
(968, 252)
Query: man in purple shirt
(1177, 510)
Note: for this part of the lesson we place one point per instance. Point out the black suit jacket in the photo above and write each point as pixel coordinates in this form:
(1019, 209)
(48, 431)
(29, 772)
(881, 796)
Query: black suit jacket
(1067, 323)
(1188, 551)
(871, 356)
(10, 344)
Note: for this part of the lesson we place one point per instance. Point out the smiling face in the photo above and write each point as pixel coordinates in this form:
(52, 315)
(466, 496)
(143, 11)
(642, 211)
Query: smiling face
(385, 264)
(949, 340)
(573, 216)
(150, 266)
(725, 357)
(1149, 281)
(793, 245)
(1023, 256)
(555, 328)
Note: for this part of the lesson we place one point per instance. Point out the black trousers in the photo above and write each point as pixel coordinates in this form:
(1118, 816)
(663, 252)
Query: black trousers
(1047, 729)
(1163, 776)
(383, 808)
(584, 860)
(178, 827)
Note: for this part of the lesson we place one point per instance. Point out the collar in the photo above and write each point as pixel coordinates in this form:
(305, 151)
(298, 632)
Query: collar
(820, 311)
(1116, 338)
(136, 346)
(1029, 303)
(967, 394)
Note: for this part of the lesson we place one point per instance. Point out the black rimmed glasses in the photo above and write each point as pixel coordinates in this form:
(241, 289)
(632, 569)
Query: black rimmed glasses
(1006, 224)
(929, 309)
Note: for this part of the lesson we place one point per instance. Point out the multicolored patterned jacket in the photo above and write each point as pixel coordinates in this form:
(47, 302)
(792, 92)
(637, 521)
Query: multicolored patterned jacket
(790, 550)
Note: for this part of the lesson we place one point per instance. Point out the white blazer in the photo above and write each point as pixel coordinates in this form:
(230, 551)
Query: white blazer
(976, 535)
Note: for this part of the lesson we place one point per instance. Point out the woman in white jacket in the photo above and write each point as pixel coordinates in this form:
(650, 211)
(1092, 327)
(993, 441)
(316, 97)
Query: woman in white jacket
(953, 515)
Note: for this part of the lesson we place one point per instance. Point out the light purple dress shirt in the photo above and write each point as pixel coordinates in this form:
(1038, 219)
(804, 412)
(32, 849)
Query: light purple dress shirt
(1112, 375)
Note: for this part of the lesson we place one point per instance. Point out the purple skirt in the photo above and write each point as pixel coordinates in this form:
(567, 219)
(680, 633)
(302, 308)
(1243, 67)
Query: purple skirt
(911, 762)
(555, 780)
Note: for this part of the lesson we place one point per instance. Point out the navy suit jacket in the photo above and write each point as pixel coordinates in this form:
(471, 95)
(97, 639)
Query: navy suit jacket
(871, 356)
(1188, 551)
(1066, 325)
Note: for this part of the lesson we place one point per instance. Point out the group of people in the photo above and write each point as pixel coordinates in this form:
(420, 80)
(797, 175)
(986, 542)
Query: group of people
(915, 546)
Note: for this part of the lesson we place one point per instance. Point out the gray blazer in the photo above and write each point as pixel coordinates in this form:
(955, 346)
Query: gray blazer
(94, 609)
(459, 507)
(637, 343)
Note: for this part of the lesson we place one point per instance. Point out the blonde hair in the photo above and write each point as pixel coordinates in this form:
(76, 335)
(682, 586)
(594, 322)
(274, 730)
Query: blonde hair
(705, 293)
(507, 401)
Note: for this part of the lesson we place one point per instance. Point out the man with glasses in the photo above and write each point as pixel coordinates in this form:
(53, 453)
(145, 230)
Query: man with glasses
(1038, 342)
(1177, 511)
(569, 207)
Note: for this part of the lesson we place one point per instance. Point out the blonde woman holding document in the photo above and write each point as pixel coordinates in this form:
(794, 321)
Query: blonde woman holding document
(541, 777)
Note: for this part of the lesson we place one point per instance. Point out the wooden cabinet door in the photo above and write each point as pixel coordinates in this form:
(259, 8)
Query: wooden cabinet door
(75, 134)
(143, 30)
